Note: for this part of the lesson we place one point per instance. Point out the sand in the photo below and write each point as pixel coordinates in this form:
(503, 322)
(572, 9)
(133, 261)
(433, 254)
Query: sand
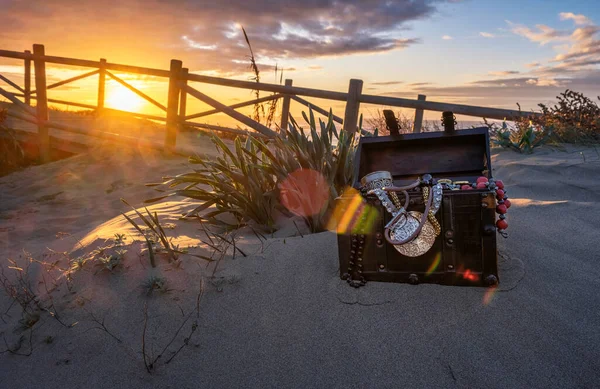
(281, 317)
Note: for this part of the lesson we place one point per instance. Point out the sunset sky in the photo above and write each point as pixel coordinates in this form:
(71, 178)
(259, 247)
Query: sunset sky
(478, 52)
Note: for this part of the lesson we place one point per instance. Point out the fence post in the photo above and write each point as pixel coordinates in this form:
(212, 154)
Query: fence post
(418, 124)
(285, 108)
(352, 106)
(172, 104)
(42, 102)
(101, 86)
(27, 79)
(183, 95)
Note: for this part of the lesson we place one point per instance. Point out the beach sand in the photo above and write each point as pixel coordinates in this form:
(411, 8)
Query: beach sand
(281, 317)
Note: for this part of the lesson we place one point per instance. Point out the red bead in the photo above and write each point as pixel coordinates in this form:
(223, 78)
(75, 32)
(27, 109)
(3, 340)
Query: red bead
(482, 179)
(500, 184)
(481, 185)
(502, 224)
(500, 194)
(507, 203)
(466, 187)
(501, 209)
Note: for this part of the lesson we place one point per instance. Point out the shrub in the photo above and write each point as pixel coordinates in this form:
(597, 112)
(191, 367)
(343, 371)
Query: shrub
(575, 118)
(260, 178)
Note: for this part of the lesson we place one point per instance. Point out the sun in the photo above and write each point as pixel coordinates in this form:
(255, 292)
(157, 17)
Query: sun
(123, 99)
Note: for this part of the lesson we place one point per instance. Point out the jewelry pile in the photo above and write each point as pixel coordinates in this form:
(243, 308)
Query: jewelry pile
(411, 233)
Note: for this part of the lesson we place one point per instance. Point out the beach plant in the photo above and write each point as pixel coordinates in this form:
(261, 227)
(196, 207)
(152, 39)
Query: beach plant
(155, 284)
(109, 262)
(153, 224)
(119, 239)
(156, 238)
(259, 178)
(78, 263)
(150, 361)
(22, 290)
(258, 113)
(524, 139)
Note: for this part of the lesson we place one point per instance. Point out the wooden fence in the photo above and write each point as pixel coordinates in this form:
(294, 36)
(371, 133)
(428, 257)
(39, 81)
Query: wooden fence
(178, 90)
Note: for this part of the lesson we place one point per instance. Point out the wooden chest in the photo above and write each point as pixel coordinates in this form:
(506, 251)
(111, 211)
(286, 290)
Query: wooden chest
(464, 252)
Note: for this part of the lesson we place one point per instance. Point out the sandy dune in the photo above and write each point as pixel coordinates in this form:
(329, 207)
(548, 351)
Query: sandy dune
(281, 317)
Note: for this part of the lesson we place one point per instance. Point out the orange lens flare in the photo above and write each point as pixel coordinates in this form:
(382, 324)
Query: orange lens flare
(352, 214)
(304, 192)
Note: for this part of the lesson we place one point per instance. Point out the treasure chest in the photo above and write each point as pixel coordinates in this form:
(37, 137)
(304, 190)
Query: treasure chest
(423, 209)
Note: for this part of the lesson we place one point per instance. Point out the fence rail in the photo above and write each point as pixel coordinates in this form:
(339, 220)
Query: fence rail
(178, 90)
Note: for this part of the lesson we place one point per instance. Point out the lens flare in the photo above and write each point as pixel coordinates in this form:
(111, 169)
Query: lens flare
(352, 214)
(471, 276)
(434, 265)
(489, 295)
(304, 192)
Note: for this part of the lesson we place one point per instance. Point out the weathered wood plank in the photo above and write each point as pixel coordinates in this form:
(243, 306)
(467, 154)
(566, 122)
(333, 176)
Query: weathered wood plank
(42, 102)
(9, 82)
(352, 106)
(14, 54)
(63, 82)
(101, 86)
(91, 64)
(225, 129)
(459, 109)
(64, 102)
(136, 91)
(318, 93)
(173, 105)
(27, 78)
(285, 107)
(21, 105)
(234, 106)
(234, 114)
(138, 115)
(318, 109)
(183, 94)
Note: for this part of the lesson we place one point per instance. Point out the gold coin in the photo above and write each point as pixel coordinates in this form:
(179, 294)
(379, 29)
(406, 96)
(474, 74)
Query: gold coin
(419, 245)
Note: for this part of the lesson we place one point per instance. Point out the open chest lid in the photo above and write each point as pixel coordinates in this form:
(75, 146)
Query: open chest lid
(458, 155)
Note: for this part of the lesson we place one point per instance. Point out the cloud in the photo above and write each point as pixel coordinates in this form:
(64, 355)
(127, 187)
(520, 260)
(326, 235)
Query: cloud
(447, 37)
(505, 93)
(205, 34)
(197, 45)
(487, 35)
(388, 83)
(420, 84)
(315, 67)
(582, 44)
(578, 19)
(543, 35)
(504, 73)
(580, 53)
